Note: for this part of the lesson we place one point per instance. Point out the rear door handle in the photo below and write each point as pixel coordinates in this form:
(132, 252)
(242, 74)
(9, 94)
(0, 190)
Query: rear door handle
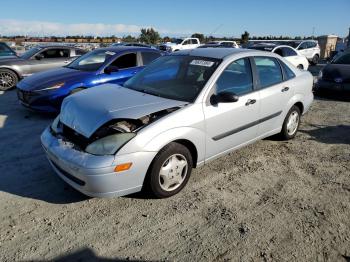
(250, 102)
(285, 89)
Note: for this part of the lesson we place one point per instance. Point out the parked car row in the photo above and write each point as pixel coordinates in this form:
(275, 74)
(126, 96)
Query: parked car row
(45, 91)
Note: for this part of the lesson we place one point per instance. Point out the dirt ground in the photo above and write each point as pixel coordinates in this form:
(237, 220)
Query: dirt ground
(270, 201)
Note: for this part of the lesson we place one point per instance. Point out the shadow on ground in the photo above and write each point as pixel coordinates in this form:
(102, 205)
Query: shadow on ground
(88, 255)
(339, 134)
(24, 169)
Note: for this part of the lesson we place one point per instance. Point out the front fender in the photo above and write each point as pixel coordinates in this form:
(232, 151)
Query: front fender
(158, 141)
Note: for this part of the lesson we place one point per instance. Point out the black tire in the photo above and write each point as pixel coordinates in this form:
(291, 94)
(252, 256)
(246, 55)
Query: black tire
(300, 66)
(315, 59)
(154, 180)
(286, 133)
(8, 79)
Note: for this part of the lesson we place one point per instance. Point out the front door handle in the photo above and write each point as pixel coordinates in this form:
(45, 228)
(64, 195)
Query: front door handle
(250, 102)
(285, 89)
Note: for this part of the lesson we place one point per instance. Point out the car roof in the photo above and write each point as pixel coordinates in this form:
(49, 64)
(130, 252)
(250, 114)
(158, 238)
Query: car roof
(55, 46)
(121, 48)
(218, 53)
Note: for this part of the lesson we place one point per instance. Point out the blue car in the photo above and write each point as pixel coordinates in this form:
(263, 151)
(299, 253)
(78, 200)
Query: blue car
(45, 91)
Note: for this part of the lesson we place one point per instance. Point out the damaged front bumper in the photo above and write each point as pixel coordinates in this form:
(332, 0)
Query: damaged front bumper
(94, 175)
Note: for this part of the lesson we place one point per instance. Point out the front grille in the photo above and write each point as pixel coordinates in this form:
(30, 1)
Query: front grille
(69, 176)
(74, 137)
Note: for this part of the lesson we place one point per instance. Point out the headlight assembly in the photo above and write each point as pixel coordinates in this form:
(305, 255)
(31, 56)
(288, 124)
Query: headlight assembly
(56, 125)
(55, 86)
(109, 145)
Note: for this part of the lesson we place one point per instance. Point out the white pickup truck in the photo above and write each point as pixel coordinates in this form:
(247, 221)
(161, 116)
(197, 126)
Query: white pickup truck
(180, 44)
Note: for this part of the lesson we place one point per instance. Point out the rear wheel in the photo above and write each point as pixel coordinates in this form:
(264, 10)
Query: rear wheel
(291, 123)
(8, 79)
(300, 66)
(315, 59)
(170, 170)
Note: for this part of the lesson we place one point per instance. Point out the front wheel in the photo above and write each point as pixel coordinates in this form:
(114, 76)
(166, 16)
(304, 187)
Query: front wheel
(8, 79)
(291, 123)
(170, 170)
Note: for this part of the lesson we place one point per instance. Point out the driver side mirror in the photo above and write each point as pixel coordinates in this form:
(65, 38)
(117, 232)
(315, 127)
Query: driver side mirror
(224, 97)
(39, 56)
(110, 69)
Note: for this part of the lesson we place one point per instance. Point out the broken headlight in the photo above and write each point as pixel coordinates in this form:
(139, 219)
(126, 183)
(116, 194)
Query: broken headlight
(109, 145)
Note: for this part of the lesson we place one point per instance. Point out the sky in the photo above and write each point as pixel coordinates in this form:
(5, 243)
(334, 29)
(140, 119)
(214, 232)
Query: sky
(175, 18)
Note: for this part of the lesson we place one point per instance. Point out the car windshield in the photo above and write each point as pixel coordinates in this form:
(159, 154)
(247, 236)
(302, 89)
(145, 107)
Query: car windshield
(28, 54)
(342, 59)
(91, 61)
(174, 77)
(4, 49)
(177, 41)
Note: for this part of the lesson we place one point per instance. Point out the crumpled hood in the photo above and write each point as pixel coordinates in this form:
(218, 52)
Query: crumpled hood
(51, 77)
(88, 110)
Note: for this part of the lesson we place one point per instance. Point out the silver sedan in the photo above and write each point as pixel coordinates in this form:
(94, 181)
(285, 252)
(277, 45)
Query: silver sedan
(37, 59)
(180, 112)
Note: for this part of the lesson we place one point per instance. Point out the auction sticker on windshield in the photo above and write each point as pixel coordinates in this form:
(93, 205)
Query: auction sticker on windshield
(202, 63)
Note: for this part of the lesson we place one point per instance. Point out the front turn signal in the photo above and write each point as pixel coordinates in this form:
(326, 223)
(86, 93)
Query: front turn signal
(122, 167)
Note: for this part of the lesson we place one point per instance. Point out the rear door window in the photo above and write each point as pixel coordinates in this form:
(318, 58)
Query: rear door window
(56, 53)
(148, 57)
(125, 61)
(269, 71)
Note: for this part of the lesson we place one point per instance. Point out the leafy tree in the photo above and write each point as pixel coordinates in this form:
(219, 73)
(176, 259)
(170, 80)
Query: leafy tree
(129, 38)
(149, 36)
(199, 36)
(245, 37)
(166, 39)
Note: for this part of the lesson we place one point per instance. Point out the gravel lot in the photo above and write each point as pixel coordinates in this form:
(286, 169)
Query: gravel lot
(271, 201)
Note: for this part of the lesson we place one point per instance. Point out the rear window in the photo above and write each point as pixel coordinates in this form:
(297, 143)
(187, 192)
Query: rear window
(288, 73)
(148, 57)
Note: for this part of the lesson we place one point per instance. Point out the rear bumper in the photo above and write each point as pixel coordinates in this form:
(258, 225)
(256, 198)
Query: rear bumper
(94, 175)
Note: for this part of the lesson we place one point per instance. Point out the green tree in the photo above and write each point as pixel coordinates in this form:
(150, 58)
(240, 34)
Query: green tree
(245, 37)
(149, 36)
(199, 36)
(128, 39)
(166, 39)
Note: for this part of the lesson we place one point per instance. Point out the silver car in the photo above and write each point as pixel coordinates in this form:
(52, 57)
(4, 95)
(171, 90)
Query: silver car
(180, 112)
(37, 59)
